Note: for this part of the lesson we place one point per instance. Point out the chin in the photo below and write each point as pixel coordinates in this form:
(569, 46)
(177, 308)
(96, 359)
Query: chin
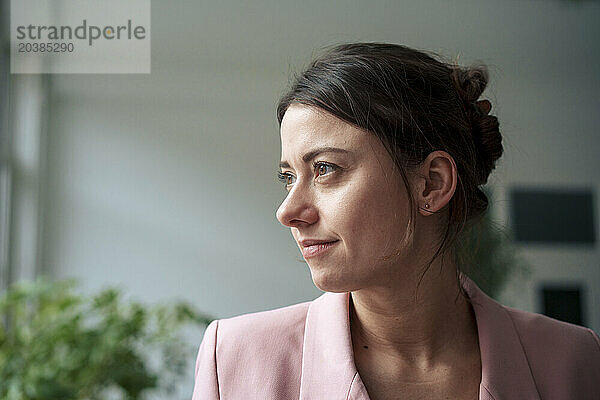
(329, 282)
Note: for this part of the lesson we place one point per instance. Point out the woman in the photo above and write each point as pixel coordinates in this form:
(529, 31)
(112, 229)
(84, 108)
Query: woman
(384, 152)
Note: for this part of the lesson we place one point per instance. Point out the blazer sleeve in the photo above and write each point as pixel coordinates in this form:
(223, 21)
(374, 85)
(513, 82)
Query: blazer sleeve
(206, 383)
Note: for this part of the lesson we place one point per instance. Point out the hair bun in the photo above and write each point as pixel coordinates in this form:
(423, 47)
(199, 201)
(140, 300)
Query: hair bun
(470, 83)
(484, 106)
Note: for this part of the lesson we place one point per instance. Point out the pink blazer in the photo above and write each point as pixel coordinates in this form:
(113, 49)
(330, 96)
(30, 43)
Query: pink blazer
(304, 351)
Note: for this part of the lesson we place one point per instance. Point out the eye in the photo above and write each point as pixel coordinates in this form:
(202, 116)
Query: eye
(323, 168)
(286, 178)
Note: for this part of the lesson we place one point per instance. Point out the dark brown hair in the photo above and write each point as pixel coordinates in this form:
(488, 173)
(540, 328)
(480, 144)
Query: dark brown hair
(414, 104)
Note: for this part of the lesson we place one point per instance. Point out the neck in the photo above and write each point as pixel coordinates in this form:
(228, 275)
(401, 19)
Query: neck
(409, 327)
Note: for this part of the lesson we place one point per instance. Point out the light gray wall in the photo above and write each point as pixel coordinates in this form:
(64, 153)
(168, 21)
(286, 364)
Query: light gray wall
(164, 183)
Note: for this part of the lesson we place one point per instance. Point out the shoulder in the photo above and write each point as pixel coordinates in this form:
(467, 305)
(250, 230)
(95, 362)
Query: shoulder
(541, 332)
(258, 355)
(265, 326)
(558, 351)
(533, 321)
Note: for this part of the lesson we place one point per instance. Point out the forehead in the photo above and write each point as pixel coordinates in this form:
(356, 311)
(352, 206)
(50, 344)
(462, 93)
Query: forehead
(304, 128)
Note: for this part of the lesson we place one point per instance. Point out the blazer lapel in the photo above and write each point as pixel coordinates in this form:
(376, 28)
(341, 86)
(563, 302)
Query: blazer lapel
(328, 370)
(505, 371)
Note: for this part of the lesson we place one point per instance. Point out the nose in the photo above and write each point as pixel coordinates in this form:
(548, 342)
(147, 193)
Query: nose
(297, 209)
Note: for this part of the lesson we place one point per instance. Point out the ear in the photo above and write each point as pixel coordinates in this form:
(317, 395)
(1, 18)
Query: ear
(437, 182)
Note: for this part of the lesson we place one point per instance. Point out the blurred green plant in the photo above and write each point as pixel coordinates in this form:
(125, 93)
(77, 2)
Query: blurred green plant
(55, 344)
(486, 253)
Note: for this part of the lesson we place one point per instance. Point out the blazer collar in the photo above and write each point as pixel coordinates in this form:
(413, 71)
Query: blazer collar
(329, 372)
(505, 370)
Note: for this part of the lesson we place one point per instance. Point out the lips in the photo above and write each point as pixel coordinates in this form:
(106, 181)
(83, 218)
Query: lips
(315, 247)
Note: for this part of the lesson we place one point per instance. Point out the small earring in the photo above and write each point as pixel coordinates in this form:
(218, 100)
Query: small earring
(426, 205)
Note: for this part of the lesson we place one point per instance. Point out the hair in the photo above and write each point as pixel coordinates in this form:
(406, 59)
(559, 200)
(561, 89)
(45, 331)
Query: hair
(415, 104)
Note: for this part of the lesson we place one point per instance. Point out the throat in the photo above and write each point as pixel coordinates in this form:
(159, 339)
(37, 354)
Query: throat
(410, 348)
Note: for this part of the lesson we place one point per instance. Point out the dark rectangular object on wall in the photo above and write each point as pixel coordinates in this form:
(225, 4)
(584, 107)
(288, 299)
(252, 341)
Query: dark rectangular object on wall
(553, 216)
(563, 303)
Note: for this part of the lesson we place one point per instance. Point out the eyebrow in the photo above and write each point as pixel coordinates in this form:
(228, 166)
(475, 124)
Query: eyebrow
(315, 152)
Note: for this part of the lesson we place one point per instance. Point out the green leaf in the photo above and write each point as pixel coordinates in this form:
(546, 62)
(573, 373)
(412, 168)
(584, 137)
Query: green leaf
(56, 344)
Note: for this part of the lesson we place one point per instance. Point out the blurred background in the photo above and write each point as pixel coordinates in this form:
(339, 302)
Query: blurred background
(164, 184)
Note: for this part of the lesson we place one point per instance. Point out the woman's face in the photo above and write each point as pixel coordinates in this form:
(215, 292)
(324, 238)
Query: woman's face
(344, 192)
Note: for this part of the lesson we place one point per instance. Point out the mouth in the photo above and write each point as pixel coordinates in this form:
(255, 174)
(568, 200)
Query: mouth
(314, 249)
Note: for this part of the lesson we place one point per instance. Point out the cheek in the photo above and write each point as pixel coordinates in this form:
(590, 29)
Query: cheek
(370, 219)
